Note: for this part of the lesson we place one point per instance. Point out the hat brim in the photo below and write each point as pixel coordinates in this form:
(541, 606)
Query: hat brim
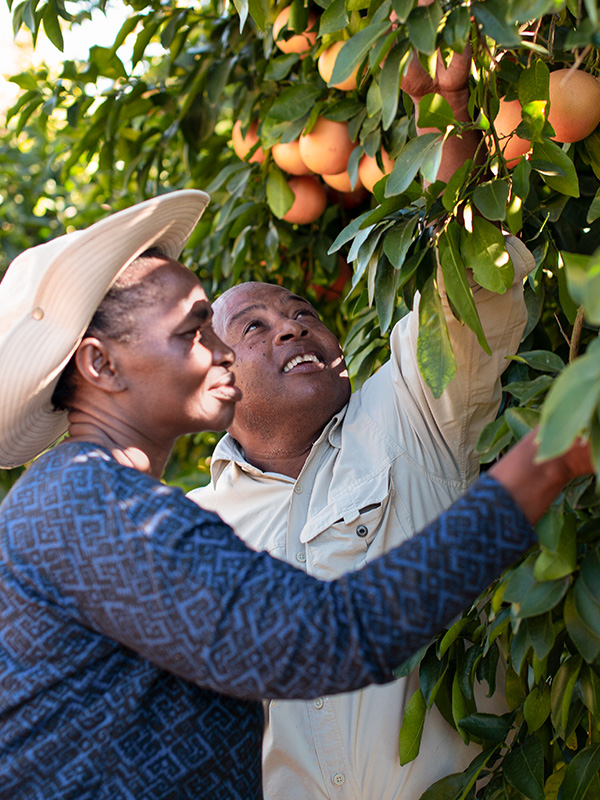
(38, 346)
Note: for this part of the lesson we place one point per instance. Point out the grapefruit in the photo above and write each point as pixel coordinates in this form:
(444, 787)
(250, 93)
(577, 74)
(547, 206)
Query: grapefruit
(341, 181)
(243, 144)
(299, 42)
(310, 200)
(506, 122)
(287, 156)
(574, 104)
(369, 171)
(326, 149)
(326, 64)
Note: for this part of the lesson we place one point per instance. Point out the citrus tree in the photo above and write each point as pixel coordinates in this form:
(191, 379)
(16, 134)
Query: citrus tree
(294, 119)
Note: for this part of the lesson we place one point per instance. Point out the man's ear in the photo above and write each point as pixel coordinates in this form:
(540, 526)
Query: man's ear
(97, 366)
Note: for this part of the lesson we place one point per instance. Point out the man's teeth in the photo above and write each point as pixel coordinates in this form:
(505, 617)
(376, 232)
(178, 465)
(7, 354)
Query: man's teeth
(300, 360)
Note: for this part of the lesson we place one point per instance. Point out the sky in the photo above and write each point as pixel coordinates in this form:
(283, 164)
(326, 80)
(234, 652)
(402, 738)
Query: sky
(100, 30)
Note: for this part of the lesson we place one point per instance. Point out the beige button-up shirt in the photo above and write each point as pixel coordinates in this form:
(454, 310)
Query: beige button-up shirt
(383, 467)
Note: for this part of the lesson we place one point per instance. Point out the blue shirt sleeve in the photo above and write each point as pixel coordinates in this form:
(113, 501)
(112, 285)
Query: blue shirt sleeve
(138, 563)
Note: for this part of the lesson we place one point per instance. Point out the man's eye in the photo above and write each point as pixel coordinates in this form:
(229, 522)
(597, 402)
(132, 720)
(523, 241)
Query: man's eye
(305, 312)
(252, 326)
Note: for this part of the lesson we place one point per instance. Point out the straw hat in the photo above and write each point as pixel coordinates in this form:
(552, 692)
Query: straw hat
(48, 297)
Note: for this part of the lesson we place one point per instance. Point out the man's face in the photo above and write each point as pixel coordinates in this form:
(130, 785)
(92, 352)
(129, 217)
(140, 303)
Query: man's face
(289, 366)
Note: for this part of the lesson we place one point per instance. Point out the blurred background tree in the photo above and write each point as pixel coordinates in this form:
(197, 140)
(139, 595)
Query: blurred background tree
(216, 95)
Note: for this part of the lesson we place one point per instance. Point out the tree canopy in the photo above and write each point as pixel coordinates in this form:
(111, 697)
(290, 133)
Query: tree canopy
(156, 111)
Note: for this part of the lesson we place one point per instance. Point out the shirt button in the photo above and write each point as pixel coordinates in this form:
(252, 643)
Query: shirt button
(362, 531)
(338, 779)
(298, 488)
(318, 703)
(301, 556)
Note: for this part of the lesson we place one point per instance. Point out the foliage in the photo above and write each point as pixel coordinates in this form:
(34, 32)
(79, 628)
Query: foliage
(133, 122)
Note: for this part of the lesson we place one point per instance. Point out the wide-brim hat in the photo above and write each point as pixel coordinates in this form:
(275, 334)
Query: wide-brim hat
(48, 297)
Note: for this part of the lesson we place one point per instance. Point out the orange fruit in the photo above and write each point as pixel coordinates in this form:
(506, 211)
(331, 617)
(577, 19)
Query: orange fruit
(326, 149)
(243, 144)
(299, 42)
(369, 171)
(341, 181)
(326, 64)
(310, 199)
(574, 104)
(506, 122)
(287, 156)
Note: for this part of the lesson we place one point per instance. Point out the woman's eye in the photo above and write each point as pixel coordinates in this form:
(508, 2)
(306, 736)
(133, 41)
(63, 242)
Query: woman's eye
(305, 312)
(252, 326)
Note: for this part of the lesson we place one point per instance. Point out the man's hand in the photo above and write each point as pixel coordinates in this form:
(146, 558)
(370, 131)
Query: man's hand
(451, 82)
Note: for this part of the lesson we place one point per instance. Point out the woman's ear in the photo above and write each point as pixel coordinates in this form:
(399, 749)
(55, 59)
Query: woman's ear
(96, 365)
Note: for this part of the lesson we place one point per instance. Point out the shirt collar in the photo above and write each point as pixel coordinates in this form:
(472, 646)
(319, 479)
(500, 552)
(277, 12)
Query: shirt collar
(228, 450)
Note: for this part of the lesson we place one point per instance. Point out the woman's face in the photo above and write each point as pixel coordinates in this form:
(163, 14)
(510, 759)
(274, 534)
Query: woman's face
(176, 370)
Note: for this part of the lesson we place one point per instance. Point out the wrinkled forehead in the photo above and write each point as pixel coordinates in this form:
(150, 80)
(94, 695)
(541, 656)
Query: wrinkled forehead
(248, 297)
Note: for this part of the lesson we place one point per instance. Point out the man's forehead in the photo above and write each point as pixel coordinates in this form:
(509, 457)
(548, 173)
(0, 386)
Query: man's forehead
(248, 298)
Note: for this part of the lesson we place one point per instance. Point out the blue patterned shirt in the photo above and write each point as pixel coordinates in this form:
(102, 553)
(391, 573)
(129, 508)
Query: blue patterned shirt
(138, 633)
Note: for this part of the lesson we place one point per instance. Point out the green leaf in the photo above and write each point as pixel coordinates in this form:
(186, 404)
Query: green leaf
(456, 282)
(594, 209)
(542, 597)
(455, 185)
(385, 292)
(435, 112)
(457, 28)
(294, 102)
(408, 163)
(536, 708)
(398, 240)
(583, 281)
(489, 727)
(523, 768)
(389, 82)
(491, 198)
(422, 26)
(413, 720)
(521, 420)
(460, 708)
(521, 177)
(355, 50)
(553, 565)
(581, 770)
(334, 18)
(451, 635)
(587, 605)
(52, 26)
(484, 252)
(541, 360)
(491, 15)
(570, 404)
(566, 180)
(534, 82)
(584, 638)
(434, 351)
(279, 195)
(561, 694)
(403, 8)
(589, 690)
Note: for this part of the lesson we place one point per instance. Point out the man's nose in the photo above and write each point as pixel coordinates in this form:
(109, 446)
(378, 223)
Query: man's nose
(291, 329)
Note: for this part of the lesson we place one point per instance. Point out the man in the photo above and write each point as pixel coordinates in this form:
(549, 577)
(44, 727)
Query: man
(341, 479)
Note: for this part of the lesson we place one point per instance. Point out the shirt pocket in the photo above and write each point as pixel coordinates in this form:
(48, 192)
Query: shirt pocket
(341, 536)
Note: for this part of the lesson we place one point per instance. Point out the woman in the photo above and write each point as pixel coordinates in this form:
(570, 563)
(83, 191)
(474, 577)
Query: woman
(137, 633)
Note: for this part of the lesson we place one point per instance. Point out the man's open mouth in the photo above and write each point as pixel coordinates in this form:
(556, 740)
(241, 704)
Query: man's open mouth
(301, 359)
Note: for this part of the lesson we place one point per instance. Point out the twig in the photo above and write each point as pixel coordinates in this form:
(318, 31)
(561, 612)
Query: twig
(576, 335)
